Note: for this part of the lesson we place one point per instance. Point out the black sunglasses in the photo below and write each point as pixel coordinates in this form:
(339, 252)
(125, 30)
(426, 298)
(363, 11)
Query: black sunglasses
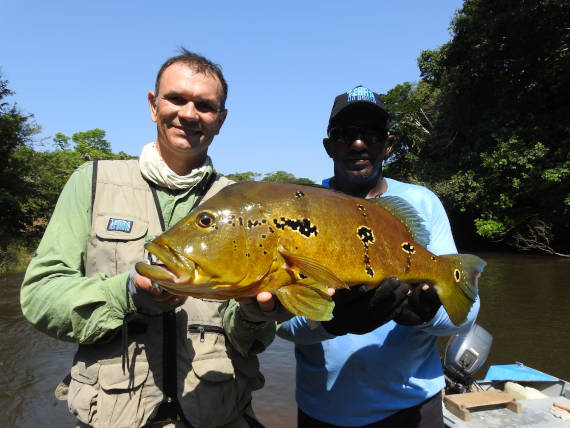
(348, 134)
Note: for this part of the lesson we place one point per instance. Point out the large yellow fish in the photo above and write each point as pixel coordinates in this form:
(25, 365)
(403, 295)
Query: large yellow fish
(296, 241)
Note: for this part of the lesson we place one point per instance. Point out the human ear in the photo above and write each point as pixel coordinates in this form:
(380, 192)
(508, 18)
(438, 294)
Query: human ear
(328, 145)
(221, 118)
(152, 105)
(389, 146)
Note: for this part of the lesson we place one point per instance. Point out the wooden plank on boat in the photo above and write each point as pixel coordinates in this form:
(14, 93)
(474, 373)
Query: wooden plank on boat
(459, 404)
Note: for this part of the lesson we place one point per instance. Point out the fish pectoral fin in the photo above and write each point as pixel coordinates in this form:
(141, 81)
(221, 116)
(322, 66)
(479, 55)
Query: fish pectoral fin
(306, 301)
(312, 268)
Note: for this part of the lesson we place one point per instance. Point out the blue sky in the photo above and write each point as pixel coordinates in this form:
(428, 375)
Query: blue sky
(80, 65)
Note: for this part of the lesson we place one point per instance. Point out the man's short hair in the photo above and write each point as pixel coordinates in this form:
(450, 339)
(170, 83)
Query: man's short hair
(198, 64)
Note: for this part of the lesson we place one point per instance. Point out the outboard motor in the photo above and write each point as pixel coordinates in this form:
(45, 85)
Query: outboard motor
(464, 355)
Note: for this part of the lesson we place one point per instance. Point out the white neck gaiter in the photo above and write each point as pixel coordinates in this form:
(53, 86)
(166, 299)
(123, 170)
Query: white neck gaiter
(154, 169)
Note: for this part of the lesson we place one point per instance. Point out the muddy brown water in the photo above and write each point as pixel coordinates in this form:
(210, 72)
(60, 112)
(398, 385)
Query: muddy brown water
(525, 306)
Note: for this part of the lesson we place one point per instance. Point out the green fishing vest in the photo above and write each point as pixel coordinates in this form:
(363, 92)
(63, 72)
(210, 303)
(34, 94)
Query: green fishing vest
(179, 363)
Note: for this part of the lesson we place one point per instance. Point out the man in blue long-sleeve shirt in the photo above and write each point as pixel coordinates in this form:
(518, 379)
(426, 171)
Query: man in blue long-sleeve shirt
(389, 373)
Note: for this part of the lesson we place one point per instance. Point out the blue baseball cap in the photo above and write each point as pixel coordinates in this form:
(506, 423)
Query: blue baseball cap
(359, 97)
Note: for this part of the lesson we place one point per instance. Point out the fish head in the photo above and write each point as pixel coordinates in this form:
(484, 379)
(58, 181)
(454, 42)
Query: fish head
(199, 255)
(221, 249)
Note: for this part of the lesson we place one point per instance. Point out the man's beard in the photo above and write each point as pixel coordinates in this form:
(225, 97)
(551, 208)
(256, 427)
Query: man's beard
(357, 180)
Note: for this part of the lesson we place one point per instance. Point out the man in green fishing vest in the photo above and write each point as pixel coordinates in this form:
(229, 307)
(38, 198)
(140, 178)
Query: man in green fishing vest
(145, 357)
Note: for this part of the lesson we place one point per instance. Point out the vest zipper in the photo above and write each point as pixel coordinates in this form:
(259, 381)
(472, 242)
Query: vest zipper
(202, 329)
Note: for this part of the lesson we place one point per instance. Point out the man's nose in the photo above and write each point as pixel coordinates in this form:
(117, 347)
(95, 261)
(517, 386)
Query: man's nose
(358, 144)
(188, 111)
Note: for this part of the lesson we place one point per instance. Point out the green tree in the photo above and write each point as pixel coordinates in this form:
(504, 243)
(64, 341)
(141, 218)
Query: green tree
(243, 176)
(284, 176)
(497, 150)
(92, 144)
(16, 130)
(53, 168)
(414, 110)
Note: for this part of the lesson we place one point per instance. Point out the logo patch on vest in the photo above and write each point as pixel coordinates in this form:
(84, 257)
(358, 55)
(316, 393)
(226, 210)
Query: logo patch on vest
(116, 224)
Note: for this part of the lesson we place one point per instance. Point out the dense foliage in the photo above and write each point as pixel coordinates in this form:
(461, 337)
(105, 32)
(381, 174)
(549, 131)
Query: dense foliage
(487, 127)
(32, 179)
(16, 130)
(270, 176)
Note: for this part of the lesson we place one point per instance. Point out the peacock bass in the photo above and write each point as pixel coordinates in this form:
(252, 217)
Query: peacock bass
(296, 241)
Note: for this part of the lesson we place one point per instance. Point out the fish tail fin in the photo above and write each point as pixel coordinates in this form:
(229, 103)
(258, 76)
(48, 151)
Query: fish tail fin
(307, 301)
(458, 294)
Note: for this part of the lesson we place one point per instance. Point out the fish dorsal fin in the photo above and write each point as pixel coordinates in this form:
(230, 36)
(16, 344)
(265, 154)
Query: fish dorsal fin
(312, 268)
(407, 214)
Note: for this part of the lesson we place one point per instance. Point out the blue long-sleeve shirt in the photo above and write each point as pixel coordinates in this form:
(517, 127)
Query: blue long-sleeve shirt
(354, 380)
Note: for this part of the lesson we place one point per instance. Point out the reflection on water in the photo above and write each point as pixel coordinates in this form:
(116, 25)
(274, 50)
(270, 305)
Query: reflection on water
(31, 364)
(525, 306)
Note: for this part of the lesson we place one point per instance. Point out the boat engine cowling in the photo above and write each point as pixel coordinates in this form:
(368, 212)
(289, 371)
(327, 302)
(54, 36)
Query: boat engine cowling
(464, 355)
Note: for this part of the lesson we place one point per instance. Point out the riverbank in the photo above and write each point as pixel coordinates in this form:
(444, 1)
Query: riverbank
(14, 259)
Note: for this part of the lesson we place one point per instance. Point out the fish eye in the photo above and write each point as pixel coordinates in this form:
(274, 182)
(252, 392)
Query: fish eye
(205, 219)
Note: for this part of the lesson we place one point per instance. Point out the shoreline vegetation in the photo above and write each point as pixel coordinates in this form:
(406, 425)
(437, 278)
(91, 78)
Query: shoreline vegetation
(15, 258)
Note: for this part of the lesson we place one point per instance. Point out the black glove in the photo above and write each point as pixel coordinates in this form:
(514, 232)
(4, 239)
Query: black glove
(420, 306)
(360, 310)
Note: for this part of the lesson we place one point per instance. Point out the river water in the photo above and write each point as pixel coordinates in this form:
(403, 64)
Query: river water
(525, 306)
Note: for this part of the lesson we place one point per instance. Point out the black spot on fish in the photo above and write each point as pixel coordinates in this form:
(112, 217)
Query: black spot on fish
(433, 258)
(302, 276)
(271, 229)
(240, 221)
(264, 236)
(362, 209)
(408, 248)
(264, 252)
(457, 275)
(299, 194)
(366, 236)
(264, 221)
(251, 224)
(303, 226)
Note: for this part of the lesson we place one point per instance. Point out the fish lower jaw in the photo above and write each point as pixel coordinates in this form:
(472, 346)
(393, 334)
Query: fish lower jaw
(185, 279)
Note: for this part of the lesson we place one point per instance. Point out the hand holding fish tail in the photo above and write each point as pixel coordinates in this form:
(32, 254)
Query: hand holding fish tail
(421, 305)
(359, 310)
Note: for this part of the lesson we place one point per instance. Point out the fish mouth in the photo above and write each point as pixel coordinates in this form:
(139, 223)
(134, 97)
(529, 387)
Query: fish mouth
(169, 269)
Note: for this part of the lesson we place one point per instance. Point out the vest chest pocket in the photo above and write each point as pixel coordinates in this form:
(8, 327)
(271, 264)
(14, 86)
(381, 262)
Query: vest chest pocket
(117, 242)
(211, 391)
(211, 362)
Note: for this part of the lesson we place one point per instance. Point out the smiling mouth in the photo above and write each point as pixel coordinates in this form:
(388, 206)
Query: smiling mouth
(357, 162)
(188, 131)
